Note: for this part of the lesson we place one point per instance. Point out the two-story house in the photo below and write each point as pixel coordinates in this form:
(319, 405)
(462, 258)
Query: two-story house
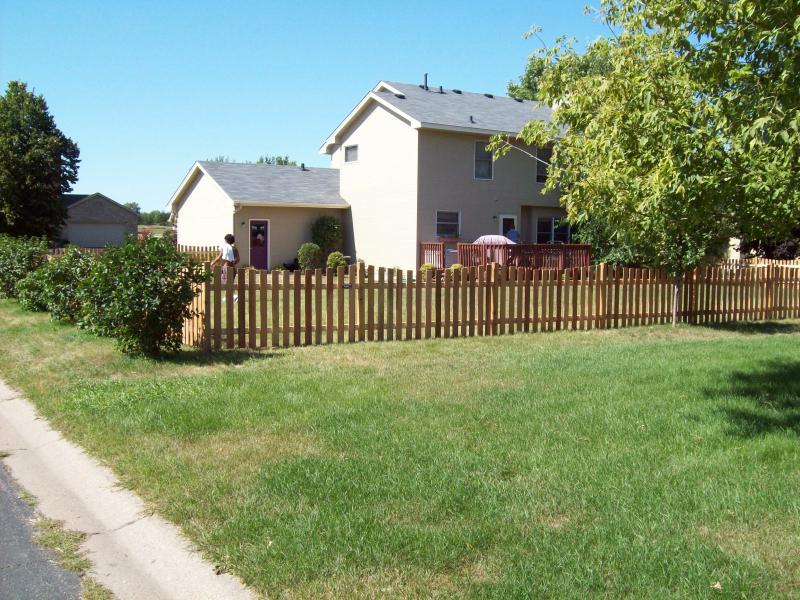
(409, 164)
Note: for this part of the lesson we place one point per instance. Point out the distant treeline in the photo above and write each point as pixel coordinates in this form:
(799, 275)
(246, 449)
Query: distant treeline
(154, 217)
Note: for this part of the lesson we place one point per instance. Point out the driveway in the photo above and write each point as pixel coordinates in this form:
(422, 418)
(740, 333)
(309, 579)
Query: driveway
(26, 570)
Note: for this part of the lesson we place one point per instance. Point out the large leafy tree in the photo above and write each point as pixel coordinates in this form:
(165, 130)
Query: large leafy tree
(38, 164)
(693, 134)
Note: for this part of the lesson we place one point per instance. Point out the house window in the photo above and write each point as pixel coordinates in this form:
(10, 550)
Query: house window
(448, 224)
(483, 161)
(543, 154)
(552, 230)
(350, 153)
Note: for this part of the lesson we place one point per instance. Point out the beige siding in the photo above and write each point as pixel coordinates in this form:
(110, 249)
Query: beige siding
(288, 229)
(447, 182)
(205, 213)
(381, 188)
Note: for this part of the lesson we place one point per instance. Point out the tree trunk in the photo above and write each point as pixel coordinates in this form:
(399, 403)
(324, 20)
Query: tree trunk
(676, 294)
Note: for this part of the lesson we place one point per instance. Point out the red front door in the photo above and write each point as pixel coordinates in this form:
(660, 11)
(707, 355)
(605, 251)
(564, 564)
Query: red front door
(259, 244)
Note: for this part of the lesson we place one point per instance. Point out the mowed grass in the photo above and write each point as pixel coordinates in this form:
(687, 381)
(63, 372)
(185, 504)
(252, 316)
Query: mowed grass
(639, 463)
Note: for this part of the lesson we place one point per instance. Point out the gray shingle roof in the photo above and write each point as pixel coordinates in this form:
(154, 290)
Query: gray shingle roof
(69, 199)
(276, 184)
(451, 109)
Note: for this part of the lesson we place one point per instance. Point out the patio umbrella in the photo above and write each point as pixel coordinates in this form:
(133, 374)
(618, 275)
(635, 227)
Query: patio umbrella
(493, 239)
(493, 253)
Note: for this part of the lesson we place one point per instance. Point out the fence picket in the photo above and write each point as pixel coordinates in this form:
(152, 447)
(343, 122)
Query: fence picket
(428, 304)
(409, 303)
(229, 274)
(351, 304)
(446, 301)
(370, 303)
(329, 305)
(317, 291)
(381, 289)
(340, 276)
(275, 281)
(286, 305)
(217, 291)
(251, 309)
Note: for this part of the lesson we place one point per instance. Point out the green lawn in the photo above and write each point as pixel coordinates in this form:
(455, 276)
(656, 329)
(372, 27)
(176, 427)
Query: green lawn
(636, 463)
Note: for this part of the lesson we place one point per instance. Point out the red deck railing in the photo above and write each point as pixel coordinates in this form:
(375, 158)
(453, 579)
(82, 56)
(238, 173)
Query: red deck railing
(433, 253)
(537, 256)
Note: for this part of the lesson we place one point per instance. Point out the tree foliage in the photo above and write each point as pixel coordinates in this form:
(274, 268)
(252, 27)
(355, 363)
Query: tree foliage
(266, 159)
(276, 160)
(154, 217)
(326, 232)
(19, 256)
(38, 164)
(692, 134)
(134, 206)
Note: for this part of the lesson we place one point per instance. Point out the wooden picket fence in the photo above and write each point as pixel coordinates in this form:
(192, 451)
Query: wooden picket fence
(259, 309)
(201, 253)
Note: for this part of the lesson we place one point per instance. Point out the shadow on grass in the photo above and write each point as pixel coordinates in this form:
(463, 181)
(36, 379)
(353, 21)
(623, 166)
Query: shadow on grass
(222, 357)
(756, 327)
(771, 392)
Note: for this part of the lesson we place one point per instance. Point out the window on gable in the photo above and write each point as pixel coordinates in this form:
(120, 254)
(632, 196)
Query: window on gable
(350, 153)
(543, 154)
(483, 161)
(448, 223)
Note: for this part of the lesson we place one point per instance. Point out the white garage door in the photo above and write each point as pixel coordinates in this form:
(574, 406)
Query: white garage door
(95, 235)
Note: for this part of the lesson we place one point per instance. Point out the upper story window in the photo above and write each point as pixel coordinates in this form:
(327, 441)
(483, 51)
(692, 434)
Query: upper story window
(483, 161)
(350, 153)
(553, 230)
(543, 154)
(448, 223)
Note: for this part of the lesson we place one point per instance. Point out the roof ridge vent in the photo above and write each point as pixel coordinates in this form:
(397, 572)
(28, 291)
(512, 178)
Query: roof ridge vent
(456, 91)
(518, 99)
(489, 95)
(401, 96)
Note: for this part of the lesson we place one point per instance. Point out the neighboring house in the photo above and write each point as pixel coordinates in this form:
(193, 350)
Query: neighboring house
(268, 208)
(95, 221)
(410, 164)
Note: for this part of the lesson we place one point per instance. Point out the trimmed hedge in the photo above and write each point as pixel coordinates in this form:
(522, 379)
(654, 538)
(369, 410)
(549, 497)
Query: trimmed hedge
(139, 294)
(335, 260)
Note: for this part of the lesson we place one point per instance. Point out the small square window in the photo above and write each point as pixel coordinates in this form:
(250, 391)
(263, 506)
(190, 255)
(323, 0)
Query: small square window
(546, 155)
(448, 224)
(483, 161)
(350, 153)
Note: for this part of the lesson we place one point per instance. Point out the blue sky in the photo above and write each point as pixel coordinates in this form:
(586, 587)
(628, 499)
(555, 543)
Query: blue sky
(146, 88)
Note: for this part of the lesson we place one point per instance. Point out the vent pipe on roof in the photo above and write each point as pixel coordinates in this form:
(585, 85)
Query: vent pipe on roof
(425, 83)
(441, 90)
(302, 166)
(471, 120)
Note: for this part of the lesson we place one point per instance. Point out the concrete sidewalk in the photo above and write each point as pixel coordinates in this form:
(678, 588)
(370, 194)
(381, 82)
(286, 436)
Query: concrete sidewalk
(135, 555)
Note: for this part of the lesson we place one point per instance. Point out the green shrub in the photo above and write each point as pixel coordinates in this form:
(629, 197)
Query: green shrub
(18, 257)
(455, 267)
(31, 290)
(426, 267)
(64, 276)
(309, 255)
(139, 294)
(326, 232)
(336, 260)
